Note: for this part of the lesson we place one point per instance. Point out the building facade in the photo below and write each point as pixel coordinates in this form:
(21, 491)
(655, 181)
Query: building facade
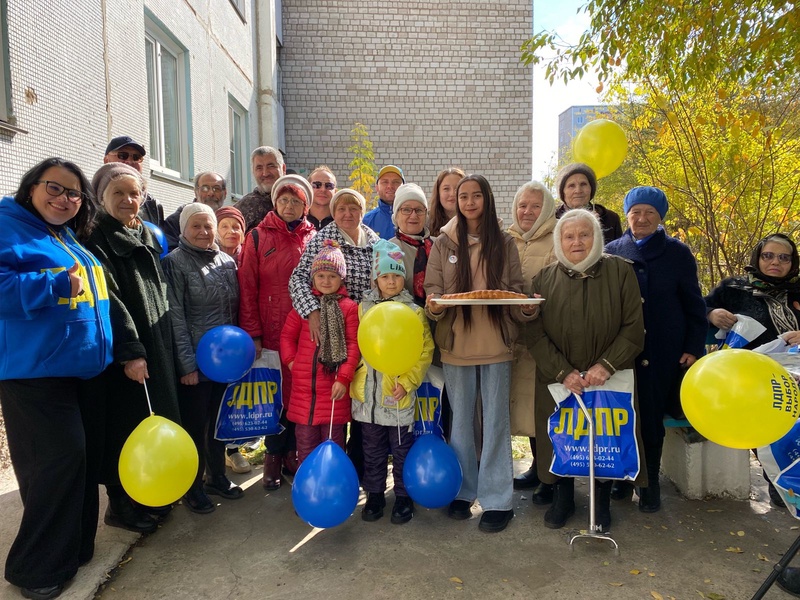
(181, 77)
(571, 120)
(437, 84)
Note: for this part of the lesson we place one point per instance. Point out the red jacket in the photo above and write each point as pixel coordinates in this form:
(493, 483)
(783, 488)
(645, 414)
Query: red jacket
(310, 403)
(264, 278)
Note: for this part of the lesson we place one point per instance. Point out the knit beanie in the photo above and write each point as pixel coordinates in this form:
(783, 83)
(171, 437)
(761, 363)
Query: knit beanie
(406, 192)
(387, 257)
(572, 169)
(296, 180)
(231, 212)
(647, 195)
(329, 258)
(345, 192)
(192, 209)
(110, 171)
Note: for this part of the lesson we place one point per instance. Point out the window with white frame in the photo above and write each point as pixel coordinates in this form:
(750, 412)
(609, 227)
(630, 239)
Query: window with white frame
(238, 128)
(167, 102)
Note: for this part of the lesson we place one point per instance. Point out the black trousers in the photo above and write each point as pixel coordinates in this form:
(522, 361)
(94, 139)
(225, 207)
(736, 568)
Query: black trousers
(283, 442)
(48, 450)
(199, 405)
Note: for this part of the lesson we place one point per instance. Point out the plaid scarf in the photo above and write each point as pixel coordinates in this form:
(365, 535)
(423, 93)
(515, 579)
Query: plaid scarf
(332, 344)
(423, 247)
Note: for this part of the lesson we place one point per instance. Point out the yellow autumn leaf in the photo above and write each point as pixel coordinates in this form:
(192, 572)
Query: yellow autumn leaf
(762, 557)
(740, 533)
(656, 595)
(715, 596)
(734, 549)
(678, 539)
(635, 571)
(456, 580)
(651, 574)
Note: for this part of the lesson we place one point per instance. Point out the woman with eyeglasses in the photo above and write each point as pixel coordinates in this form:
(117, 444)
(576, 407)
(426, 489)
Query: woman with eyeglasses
(323, 183)
(769, 292)
(271, 252)
(55, 329)
(143, 350)
(409, 213)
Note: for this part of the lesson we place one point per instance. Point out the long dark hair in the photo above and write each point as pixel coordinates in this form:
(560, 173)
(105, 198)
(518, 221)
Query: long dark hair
(86, 211)
(493, 249)
(438, 216)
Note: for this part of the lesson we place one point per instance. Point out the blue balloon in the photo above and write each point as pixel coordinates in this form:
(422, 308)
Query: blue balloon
(162, 239)
(225, 353)
(432, 473)
(325, 488)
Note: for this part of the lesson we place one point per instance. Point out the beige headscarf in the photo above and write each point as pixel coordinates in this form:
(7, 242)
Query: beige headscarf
(546, 217)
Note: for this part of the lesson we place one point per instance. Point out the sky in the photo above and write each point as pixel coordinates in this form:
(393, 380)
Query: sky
(549, 101)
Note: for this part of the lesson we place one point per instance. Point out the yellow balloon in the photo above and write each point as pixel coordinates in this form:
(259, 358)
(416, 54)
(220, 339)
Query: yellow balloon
(390, 338)
(602, 145)
(740, 399)
(158, 462)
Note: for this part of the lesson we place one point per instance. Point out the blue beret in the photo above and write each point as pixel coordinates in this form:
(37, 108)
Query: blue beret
(646, 195)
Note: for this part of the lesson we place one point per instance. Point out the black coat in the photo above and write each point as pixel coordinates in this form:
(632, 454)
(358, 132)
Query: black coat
(674, 321)
(142, 329)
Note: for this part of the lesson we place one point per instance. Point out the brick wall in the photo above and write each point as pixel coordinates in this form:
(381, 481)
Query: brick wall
(58, 77)
(436, 83)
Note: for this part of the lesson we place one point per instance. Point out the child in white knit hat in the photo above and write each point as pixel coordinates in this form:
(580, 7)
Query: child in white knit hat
(385, 406)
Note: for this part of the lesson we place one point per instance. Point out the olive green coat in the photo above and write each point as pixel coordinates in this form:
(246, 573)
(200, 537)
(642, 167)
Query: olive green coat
(586, 319)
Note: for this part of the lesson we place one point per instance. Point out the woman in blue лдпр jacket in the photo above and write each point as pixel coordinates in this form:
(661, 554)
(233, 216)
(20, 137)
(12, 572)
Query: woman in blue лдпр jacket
(55, 329)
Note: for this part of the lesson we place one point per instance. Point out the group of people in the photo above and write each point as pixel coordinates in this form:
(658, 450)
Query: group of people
(109, 331)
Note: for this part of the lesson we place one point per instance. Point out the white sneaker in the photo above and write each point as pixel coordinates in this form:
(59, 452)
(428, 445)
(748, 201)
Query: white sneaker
(237, 463)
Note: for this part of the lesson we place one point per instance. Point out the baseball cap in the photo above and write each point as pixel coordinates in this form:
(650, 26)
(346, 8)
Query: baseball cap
(391, 169)
(122, 141)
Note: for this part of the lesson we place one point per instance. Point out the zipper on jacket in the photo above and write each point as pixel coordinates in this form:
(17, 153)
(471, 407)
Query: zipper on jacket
(374, 387)
(313, 386)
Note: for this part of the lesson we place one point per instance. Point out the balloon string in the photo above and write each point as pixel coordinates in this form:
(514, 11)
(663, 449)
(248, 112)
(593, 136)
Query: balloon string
(397, 413)
(330, 429)
(147, 395)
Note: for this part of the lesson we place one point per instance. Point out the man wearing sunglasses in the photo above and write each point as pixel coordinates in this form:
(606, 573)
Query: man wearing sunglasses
(323, 184)
(125, 149)
(268, 165)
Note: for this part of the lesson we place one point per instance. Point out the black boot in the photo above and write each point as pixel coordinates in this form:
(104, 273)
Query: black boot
(563, 504)
(650, 496)
(123, 514)
(530, 478)
(789, 581)
(621, 490)
(543, 494)
(373, 509)
(602, 504)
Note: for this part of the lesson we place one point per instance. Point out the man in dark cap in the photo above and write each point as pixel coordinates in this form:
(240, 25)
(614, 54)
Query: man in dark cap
(577, 186)
(125, 149)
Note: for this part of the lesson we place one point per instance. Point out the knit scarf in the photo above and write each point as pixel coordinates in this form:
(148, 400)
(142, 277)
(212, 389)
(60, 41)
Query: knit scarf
(777, 300)
(332, 344)
(420, 263)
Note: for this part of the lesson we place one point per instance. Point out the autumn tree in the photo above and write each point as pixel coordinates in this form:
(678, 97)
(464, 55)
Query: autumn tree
(363, 173)
(708, 94)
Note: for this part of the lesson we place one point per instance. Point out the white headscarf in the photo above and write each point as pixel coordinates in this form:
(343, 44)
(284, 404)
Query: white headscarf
(597, 243)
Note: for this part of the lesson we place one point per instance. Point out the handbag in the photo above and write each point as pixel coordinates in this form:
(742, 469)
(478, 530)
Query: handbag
(616, 455)
(428, 408)
(252, 406)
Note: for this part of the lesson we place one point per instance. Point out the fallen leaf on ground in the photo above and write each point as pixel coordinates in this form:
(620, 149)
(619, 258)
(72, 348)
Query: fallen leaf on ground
(656, 595)
(734, 549)
(635, 571)
(706, 581)
(126, 561)
(456, 580)
(713, 596)
(651, 574)
(740, 533)
(762, 557)
(678, 539)
(616, 584)
(714, 510)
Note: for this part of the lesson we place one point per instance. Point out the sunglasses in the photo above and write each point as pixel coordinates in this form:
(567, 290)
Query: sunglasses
(328, 185)
(783, 258)
(134, 156)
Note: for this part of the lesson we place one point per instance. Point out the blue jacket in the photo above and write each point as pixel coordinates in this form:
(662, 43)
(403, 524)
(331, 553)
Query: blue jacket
(379, 219)
(44, 332)
(674, 319)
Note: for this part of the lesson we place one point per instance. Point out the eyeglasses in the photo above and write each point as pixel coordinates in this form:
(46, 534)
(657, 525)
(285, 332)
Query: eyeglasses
(318, 185)
(211, 188)
(769, 256)
(134, 156)
(56, 190)
(293, 201)
(407, 210)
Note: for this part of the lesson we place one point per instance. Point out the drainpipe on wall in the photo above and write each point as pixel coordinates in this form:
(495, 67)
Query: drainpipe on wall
(267, 105)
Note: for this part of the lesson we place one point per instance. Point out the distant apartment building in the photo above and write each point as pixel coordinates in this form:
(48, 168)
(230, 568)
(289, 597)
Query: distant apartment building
(195, 82)
(437, 84)
(572, 119)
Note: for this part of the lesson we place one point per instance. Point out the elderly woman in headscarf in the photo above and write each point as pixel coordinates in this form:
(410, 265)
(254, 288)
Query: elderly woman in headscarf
(533, 212)
(590, 327)
(674, 317)
(230, 231)
(129, 253)
(577, 188)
